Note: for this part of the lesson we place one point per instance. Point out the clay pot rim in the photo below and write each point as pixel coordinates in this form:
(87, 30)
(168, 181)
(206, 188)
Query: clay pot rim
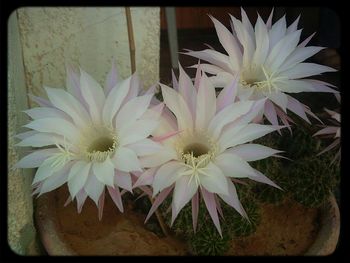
(325, 242)
(327, 237)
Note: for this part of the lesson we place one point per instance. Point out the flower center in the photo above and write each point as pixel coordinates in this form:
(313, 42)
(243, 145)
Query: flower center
(196, 150)
(99, 143)
(102, 144)
(260, 79)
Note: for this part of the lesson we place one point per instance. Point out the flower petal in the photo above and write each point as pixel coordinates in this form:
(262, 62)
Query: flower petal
(136, 131)
(233, 165)
(262, 42)
(178, 106)
(146, 178)
(209, 200)
(55, 180)
(206, 103)
(132, 110)
(81, 197)
(123, 180)
(277, 31)
(222, 79)
(112, 79)
(183, 192)
(93, 187)
(160, 198)
(227, 95)
(114, 100)
(93, 94)
(253, 152)
(327, 130)
(73, 86)
(280, 99)
(195, 210)
(46, 112)
(40, 101)
(77, 177)
(248, 133)
(303, 70)
(35, 159)
(166, 175)
(158, 158)
(104, 171)
(68, 104)
(24, 135)
(270, 113)
(208, 68)
(55, 125)
(214, 57)
(296, 107)
(41, 139)
(212, 179)
(294, 26)
(145, 147)
(282, 50)
(227, 115)
(233, 200)
(44, 171)
(296, 86)
(259, 177)
(299, 55)
(126, 160)
(228, 42)
(116, 197)
(187, 91)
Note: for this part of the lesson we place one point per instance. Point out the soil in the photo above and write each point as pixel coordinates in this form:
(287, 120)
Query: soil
(285, 229)
(116, 234)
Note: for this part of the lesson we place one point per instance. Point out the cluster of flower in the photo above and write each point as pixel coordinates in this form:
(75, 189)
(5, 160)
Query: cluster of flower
(194, 143)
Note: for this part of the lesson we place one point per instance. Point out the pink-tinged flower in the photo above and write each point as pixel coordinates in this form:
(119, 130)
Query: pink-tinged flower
(270, 64)
(204, 140)
(90, 137)
(333, 131)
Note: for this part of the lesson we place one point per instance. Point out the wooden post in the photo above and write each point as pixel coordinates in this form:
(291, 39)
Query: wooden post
(131, 39)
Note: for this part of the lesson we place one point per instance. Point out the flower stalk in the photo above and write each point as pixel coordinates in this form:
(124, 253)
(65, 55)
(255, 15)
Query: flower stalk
(160, 219)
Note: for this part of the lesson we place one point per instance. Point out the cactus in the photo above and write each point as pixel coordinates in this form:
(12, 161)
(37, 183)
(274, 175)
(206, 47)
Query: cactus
(272, 168)
(313, 179)
(237, 225)
(308, 178)
(208, 242)
(300, 143)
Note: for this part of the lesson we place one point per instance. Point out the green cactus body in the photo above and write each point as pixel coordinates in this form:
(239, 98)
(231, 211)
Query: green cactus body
(313, 179)
(209, 242)
(239, 226)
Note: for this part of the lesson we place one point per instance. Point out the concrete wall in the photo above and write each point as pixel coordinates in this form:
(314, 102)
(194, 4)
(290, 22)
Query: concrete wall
(21, 232)
(41, 42)
(89, 37)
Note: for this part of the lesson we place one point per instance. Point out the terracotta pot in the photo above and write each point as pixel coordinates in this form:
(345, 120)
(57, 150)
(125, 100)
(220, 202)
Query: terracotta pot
(125, 234)
(327, 237)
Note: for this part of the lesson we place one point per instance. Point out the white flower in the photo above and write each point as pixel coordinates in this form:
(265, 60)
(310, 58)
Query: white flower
(270, 64)
(330, 130)
(90, 137)
(204, 146)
